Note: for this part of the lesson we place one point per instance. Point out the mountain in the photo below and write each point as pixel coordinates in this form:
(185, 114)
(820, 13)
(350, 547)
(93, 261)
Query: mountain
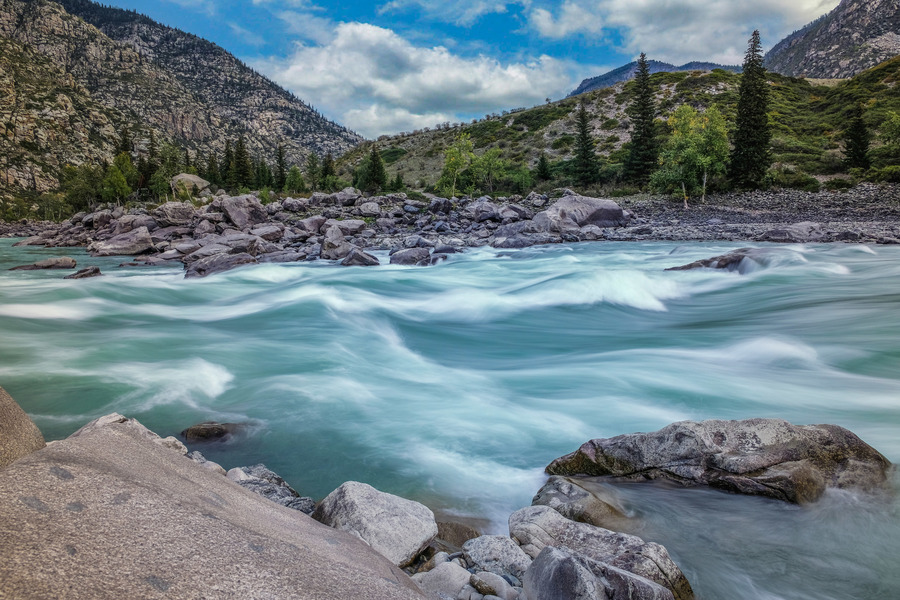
(626, 73)
(855, 36)
(70, 86)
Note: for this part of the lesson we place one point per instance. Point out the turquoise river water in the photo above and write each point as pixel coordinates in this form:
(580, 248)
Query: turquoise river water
(455, 385)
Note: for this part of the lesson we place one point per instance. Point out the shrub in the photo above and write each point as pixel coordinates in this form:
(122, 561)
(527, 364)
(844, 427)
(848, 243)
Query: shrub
(788, 178)
(838, 184)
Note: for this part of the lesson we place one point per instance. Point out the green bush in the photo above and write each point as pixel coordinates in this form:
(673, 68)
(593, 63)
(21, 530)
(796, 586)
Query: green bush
(622, 192)
(788, 178)
(890, 174)
(563, 142)
(838, 184)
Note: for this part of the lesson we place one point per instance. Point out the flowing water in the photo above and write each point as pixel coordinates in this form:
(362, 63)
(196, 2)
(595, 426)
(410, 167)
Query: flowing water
(455, 385)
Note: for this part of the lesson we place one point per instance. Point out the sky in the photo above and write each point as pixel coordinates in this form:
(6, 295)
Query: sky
(398, 65)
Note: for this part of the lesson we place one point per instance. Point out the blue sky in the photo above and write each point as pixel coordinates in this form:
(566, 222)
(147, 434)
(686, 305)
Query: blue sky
(398, 65)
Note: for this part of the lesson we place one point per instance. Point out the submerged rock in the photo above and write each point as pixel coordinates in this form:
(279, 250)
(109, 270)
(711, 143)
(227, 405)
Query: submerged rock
(61, 262)
(732, 261)
(575, 501)
(85, 273)
(217, 263)
(411, 257)
(765, 457)
(397, 528)
(210, 430)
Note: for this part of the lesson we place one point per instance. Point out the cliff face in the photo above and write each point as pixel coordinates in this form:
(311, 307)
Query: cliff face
(855, 36)
(149, 77)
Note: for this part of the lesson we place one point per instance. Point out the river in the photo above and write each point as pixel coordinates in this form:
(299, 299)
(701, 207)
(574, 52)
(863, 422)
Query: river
(456, 384)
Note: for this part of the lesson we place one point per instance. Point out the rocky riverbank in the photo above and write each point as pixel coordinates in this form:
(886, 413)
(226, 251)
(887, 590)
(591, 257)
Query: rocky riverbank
(223, 232)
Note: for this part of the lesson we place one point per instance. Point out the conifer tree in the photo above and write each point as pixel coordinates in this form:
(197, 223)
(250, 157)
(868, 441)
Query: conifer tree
(126, 143)
(586, 165)
(751, 157)
(371, 176)
(152, 155)
(327, 173)
(294, 183)
(397, 185)
(856, 141)
(243, 167)
(280, 168)
(312, 170)
(542, 172)
(227, 170)
(644, 150)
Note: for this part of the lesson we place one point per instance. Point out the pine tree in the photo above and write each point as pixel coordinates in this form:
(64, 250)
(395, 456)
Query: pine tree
(280, 168)
(126, 143)
(586, 165)
(856, 141)
(644, 150)
(751, 157)
(371, 176)
(228, 170)
(312, 170)
(152, 156)
(243, 167)
(213, 175)
(327, 173)
(543, 172)
(294, 183)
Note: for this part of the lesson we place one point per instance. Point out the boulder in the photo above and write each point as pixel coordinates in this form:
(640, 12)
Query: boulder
(334, 246)
(190, 183)
(358, 258)
(765, 457)
(270, 233)
(312, 224)
(19, 436)
(445, 580)
(60, 262)
(134, 242)
(736, 260)
(583, 501)
(497, 554)
(397, 528)
(561, 573)
(491, 584)
(294, 205)
(244, 211)
(129, 222)
(537, 527)
(347, 226)
(484, 210)
(574, 212)
(456, 534)
(411, 256)
(217, 263)
(798, 233)
(174, 214)
(116, 512)
(265, 482)
(369, 209)
(210, 430)
(85, 273)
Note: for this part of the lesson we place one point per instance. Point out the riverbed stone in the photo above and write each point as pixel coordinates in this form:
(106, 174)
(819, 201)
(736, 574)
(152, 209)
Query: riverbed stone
(537, 527)
(59, 262)
(217, 263)
(244, 211)
(174, 214)
(359, 258)
(444, 581)
(334, 246)
(562, 573)
(85, 273)
(136, 241)
(765, 457)
(210, 430)
(497, 554)
(411, 256)
(111, 513)
(261, 480)
(736, 260)
(574, 212)
(19, 436)
(397, 528)
(582, 501)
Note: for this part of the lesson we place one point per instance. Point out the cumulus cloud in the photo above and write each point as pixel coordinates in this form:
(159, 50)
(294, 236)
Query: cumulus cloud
(374, 81)
(461, 12)
(714, 30)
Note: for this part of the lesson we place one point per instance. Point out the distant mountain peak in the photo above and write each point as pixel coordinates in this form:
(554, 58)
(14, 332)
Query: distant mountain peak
(626, 73)
(855, 36)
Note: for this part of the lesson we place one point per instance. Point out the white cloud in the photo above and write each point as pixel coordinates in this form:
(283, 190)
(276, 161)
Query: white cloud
(375, 81)
(246, 35)
(461, 12)
(207, 6)
(307, 26)
(714, 30)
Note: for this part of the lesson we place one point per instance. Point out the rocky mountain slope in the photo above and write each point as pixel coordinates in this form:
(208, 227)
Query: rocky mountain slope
(855, 36)
(626, 73)
(158, 79)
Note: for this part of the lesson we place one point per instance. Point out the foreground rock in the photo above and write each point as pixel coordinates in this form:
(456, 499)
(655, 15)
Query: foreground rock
(132, 243)
(538, 527)
(85, 273)
(582, 501)
(115, 512)
(61, 262)
(18, 435)
(765, 457)
(210, 430)
(574, 212)
(397, 528)
(736, 260)
(268, 484)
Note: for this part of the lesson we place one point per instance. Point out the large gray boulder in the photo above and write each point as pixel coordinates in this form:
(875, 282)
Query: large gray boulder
(397, 528)
(561, 573)
(358, 258)
(444, 581)
(584, 501)
(537, 527)
(174, 214)
(573, 212)
(497, 554)
(116, 512)
(192, 184)
(58, 262)
(411, 257)
(217, 263)
(136, 241)
(797, 233)
(765, 457)
(19, 436)
(244, 211)
(334, 246)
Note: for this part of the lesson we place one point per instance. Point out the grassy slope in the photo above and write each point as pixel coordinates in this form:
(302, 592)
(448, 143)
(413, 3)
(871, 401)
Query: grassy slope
(807, 122)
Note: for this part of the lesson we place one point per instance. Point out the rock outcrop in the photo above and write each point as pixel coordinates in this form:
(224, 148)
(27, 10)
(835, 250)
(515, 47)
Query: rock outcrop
(19, 436)
(116, 512)
(765, 457)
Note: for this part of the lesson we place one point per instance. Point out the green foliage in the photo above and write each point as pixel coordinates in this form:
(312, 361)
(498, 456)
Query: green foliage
(563, 141)
(487, 169)
(266, 196)
(586, 167)
(126, 167)
(458, 159)
(789, 178)
(397, 184)
(542, 171)
(81, 185)
(243, 175)
(328, 175)
(751, 155)
(294, 183)
(643, 151)
(838, 184)
(213, 175)
(114, 187)
(52, 207)
(540, 117)
(856, 142)
(889, 174)
(696, 150)
(280, 168)
(370, 176)
(392, 155)
(313, 170)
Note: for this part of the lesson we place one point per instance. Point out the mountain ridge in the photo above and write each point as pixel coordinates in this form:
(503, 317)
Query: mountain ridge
(626, 73)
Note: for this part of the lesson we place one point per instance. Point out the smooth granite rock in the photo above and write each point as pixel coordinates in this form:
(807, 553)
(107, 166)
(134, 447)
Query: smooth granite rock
(136, 241)
(113, 513)
(397, 528)
(334, 246)
(59, 262)
(582, 501)
(265, 482)
(574, 212)
(19, 436)
(765, 457)
(217, 263)
(411, 256)
(537, 527)
(359, 258)
(559, 573)
(244, 211)
(497, 554)
(446, 579)
(175, 214)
